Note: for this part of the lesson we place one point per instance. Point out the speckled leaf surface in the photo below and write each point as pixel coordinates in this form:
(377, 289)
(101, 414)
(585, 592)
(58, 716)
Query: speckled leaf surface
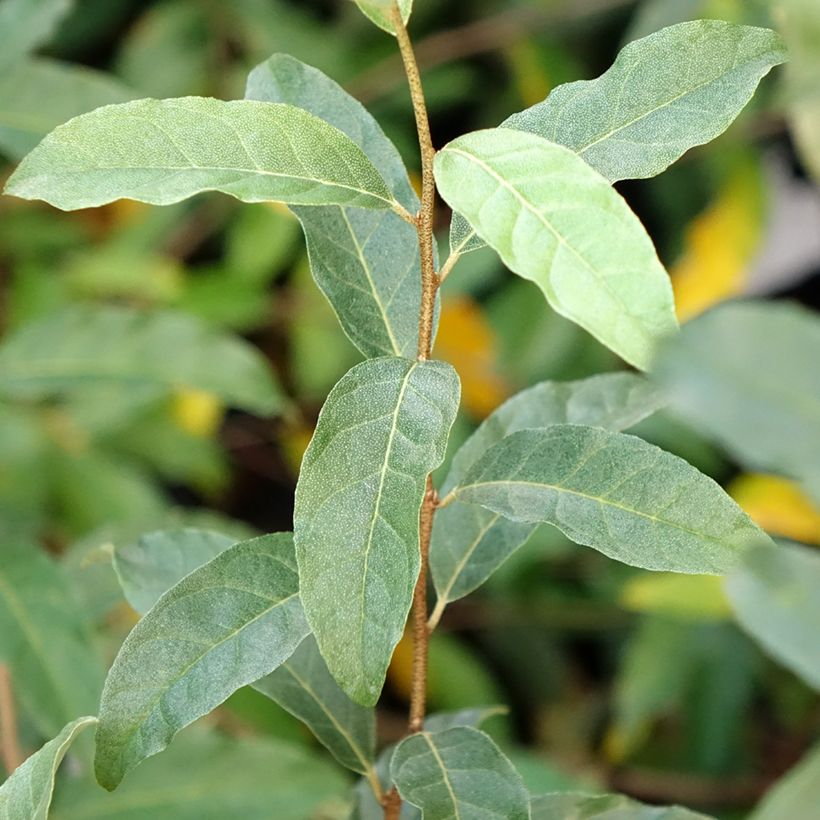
(27, 794)
(469, 542)
(164, 151)
(366, 262)
(225, 625)
(554, 220)
(626, 498)
(458, 773)
(383, 428)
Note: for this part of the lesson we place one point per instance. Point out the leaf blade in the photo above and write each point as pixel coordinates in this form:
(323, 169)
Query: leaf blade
(379, 12)
(164, 151)
(560, 806)
(616, 493)
(177, 665)
(458, 772)
(29, 790)
(554, 220)
(469, 542)
(394, 416)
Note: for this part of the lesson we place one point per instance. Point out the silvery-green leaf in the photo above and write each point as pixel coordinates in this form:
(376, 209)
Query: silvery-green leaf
(615, 493)
(304, 687)
(796, 795)
(775, 595)
(225, 625)
(570, 806)
(746, 373)
(27, 794)
(366, 262)
(379, 11)
(383, 428)
(148, 567)
(554, 220)
(37, 95)
(83, 345)
(44, 640)
(469, 542)
(164, 151)
(456, 773)
(664, 94)
(25, 24)
(463, 238)
(210, 775)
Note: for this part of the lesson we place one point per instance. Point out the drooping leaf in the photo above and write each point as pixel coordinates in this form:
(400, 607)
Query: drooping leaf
(469, 542)
(383, 428)
(45, 641)
(570, 806)
(775, 595)
(458, 772)
(28, 791)
(25, 24)
(207, 775)
(223, 626)
(148, 567)
(379, 11)
(626, 498)
(366, 262)
(303, 686)
(664, 94)
(90, 344)
(37, 95)
(554, 220)
(164, 151)
(796, 795)
(746, 374)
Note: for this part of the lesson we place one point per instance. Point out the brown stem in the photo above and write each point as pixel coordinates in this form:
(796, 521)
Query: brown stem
(424, 220)
(392, 805)
(10, 750)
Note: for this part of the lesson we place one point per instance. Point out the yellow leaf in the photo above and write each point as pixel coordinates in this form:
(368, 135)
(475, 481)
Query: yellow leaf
(466, 340)
(529, 75)
(694, 597)
(400, 671)
(778, 505)
(197, 412)
(719, 246)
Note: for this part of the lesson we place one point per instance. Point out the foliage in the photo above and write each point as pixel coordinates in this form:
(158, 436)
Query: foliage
(161, 372)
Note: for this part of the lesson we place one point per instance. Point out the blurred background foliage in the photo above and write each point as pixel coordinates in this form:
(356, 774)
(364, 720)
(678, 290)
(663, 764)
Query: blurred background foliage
(185, 353)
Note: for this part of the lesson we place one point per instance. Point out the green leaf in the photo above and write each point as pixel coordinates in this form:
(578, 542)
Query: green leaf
(664, 94)
(45, 641)
(303, 686)
(27, 794)
(150, 566)
(383, 428)
(223, 626)
(775, 595)
(746, 373)
(459, 772)
(37, 95)
(25, 24)
(796, 795)
(554, 220)
(379, 12)
(569, 806)
(616, 493)
(469, 543)
(207, 775)
(164, 151)
(92, 344)
(365, 262)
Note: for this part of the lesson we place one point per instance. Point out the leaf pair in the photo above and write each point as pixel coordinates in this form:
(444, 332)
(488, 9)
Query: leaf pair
(535, 198)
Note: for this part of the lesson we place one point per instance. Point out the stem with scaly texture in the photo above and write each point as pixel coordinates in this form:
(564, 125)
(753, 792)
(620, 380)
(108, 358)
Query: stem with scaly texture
(12, 755)
(429, 287)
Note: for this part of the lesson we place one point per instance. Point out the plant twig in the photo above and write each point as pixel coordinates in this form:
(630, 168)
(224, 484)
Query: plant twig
(10, 750)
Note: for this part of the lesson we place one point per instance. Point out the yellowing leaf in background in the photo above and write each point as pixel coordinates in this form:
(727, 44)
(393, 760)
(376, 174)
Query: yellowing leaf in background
(466, 340)
(197, 412)
(694, 597)
(778, 505)
(720, 245)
